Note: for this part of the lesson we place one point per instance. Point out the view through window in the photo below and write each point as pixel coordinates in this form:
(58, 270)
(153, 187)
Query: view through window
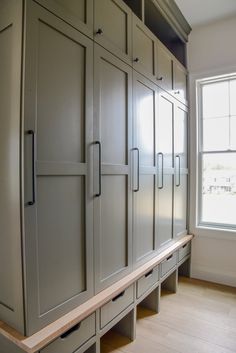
(217, 152)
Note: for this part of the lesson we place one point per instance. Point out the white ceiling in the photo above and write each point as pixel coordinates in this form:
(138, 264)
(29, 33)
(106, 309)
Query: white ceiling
(198, 12)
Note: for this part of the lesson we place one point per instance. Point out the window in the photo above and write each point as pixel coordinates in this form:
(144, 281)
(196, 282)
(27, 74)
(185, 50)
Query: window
(217, 152)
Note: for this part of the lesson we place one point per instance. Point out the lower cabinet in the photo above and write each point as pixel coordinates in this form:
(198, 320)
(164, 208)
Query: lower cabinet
(115, 306)
(169, 263)
(74, 338)
(147, 281)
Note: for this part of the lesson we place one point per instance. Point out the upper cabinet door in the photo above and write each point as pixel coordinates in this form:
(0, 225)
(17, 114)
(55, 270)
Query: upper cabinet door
(78, 14)
(112, 168)
(164, 77)
(180, 82)
(57, 142)
(144, 168)
(112, 27)
(143, 49)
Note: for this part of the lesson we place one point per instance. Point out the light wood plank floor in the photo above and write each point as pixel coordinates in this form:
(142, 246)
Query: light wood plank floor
(200, 318)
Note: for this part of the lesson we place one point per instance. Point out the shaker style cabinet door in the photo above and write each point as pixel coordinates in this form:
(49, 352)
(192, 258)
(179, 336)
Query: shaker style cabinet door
(164, 68)
(144, 168)
(112, 184)
(143, 49)
(181, 170)
(11, 291)
(179, 82)
(165, 171)
(112, 27)
(57, 142)
(78, 13)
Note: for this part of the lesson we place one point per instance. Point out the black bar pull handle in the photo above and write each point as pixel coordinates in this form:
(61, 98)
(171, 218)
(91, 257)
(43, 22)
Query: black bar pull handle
(138, 169)
(118, 296)
(177, 157)
(31, 132)
(99, 168)
(161, 167)
(70, 331)
(169, 257)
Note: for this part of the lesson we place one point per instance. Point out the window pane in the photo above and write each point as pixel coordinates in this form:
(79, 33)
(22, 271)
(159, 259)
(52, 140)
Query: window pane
(233, 97)
(219, 188)
(215, 134)
(215, 99)
(233, 133)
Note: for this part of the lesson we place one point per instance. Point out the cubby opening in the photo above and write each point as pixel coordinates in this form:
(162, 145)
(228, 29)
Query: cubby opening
(136, 6)
(156, 22)
(119, 335)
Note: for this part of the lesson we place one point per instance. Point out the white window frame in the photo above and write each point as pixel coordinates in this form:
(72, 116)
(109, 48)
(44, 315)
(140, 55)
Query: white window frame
(208, 230)
(200, 85)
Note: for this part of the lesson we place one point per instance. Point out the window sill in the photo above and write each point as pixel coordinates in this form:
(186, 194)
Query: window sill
(214, 233)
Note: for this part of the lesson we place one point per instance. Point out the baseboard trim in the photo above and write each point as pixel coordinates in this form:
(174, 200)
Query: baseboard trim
(211, 275)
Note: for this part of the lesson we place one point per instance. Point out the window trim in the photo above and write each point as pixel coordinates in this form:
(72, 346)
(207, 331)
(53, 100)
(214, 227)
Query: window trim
(199, 83)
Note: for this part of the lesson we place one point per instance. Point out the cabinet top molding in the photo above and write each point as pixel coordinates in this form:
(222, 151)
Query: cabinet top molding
(174, 17)
(45, 336)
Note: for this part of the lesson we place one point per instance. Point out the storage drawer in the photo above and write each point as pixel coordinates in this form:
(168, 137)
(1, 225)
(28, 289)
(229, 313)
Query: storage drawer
(114, 307)
(184, 251)
(147, 281)
(73, 338)
(168, 264)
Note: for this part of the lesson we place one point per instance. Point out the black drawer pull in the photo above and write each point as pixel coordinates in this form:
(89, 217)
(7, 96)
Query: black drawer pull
(149, 273)
(169, 257)
(184, 246)
(70, 331)
(118, 296)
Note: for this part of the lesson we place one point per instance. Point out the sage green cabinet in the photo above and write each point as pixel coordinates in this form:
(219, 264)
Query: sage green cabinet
(164, 65)
(179, 82)
(112, 168)
(144, 168)
(78, 14)
(181, 170)
(165, 170)
(143, 49)
(113, 27)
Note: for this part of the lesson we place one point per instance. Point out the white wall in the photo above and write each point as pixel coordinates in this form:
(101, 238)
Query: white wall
(211, 52)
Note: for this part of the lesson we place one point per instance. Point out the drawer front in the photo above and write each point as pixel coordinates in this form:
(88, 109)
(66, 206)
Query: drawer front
(114, 307)
(184, 251)
(147, 281)
(168, 264)
(73, 338)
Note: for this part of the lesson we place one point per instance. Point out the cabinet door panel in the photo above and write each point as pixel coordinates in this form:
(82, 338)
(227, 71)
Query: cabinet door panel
(112, 27)
(180, 206)
(164, 68)
(113, 113)
(144, 195)
(112, 206)
(165, 211)
(165, 129)
(180, 82)
(114, 238)
(61, 239)
(143, 49)
(180, 135)
(145, 217)
(58, 231)
(79, 14)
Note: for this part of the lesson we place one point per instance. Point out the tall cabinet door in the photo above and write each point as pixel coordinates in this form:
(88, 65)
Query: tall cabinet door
(144, 170)
(164, 168)
(181, 170)
(57, 142)
(112, 185)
